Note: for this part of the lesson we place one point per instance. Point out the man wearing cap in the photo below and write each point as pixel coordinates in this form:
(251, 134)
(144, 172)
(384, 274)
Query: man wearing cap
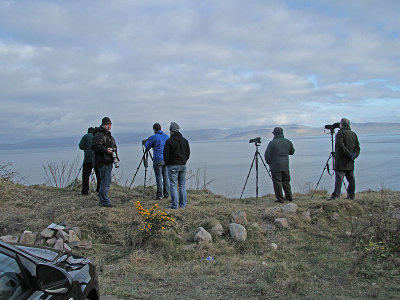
(176, 154)
(277, 157)
(157, 142)
(86, 145)
(103, 145)
(347, 149)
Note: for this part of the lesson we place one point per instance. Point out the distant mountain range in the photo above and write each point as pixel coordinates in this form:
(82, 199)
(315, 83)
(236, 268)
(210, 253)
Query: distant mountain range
(214, 134)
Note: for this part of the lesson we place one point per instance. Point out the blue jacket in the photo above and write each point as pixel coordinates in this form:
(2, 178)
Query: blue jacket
(157, 142)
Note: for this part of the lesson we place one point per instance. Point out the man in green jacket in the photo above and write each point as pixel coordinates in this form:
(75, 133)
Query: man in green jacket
(277, 157)
(86, 145)
(347, 149)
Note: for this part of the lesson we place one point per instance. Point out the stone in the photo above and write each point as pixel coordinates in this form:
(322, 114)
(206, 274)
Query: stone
(202, 236)
(67, 247)
(59, 245)
(28, 238)
(307, 216)
(51, 242)
(290, 208)
(9, 239)
(239, 217)
(272, 212)
(335, 216)
(62, 234)
(255, 226)
(217, 229)
(274, 246)
(237, 232)
(72, 237)
(83, 244)
(281, 223)
(268, 227)
(48, 233)
(78, 232)
(39, 240)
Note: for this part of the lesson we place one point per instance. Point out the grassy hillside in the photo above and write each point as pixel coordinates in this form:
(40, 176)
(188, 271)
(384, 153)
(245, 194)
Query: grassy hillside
(347, 250)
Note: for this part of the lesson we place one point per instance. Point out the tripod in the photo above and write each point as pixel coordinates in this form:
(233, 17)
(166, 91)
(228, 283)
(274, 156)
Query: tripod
(255, 159)
(143, 160)
(326, 167)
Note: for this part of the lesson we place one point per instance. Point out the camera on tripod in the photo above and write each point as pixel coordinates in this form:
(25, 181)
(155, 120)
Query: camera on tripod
(333, 126)
(256, 140)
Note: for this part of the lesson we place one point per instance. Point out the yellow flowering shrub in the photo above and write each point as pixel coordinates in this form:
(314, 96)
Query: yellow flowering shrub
(154, 219)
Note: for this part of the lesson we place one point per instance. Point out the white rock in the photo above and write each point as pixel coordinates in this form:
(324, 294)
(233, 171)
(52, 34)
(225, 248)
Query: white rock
(237, 232)
(274, 246)
(239, 217)
(202, 236)
(281, 223)
(290, 208)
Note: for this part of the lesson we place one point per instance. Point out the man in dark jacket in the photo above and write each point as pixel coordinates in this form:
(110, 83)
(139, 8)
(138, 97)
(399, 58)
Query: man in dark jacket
(277, 157)
(347, 149)
(86, 145)
(104, 145)
(176, 154)
(157, 142)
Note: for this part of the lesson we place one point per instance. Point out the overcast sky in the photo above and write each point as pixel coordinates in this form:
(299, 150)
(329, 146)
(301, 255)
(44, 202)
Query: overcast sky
(203, 64)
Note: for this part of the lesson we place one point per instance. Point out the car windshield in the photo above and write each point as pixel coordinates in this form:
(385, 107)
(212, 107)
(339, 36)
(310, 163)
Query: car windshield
(45, 254)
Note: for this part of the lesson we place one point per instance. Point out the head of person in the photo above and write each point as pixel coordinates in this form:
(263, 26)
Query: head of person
(106, 123)
(344, 123)
(156, 127)
(174, 127)
(277, 131)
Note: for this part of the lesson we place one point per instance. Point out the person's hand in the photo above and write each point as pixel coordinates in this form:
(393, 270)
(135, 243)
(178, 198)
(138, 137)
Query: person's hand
(352, 156)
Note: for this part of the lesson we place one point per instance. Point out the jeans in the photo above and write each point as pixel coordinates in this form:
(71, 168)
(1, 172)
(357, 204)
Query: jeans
(105, 182)
(160, 172)
(86, 171)
(176, 175)
(282, 180)
(339, 176)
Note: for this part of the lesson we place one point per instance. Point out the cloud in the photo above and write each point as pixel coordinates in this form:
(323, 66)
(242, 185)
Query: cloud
(65, 65)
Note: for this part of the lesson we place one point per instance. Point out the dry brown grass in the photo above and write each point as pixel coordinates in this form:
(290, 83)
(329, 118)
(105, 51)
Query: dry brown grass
(321, 259)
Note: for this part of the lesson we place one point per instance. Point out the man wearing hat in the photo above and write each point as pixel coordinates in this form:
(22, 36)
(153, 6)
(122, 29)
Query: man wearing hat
(176, 154)
(277, 157)
(103, 145)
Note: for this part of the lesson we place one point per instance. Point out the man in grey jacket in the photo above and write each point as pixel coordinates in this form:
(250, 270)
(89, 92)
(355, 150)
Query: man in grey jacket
(277, 157)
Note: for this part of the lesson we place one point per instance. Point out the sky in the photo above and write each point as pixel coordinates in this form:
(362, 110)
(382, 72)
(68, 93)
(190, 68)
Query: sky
(64, 65)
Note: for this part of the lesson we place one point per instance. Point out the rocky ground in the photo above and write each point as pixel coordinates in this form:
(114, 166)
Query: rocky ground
(221, 248)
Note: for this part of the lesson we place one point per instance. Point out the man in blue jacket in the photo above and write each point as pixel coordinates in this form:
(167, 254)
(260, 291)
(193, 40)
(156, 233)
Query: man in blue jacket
(157, 142)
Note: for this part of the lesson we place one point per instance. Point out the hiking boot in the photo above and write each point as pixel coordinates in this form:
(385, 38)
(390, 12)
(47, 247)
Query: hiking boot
(172, 207)
(106, 205)
(279, 201)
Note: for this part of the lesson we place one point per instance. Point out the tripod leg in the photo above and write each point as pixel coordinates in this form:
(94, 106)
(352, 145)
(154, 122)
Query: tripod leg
(265, 165)
(326, 167)
(248, 176)
(137, 170)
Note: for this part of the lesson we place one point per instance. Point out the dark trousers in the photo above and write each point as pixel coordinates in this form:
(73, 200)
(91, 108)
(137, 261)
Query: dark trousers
(86, 171)
(281, 180)
(339, 175)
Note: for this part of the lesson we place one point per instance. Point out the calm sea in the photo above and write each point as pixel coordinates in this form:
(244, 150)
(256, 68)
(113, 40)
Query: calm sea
(226, 164)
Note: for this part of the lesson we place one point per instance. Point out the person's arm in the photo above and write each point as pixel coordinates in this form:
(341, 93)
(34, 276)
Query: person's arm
(340, 146)
(82, 143)
(291, 150)
(268, 154)
(187, 150)
(149, 143)
(166, 152)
